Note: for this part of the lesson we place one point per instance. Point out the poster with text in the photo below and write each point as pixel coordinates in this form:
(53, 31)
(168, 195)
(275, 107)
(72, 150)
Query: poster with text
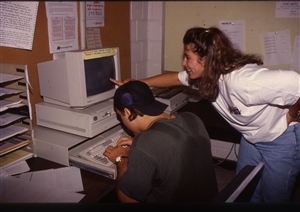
(62, 21)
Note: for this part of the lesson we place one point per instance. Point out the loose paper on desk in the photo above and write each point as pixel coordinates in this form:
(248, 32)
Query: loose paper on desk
(14, 158)
(17, 168)
(67, 178)
(15, 190)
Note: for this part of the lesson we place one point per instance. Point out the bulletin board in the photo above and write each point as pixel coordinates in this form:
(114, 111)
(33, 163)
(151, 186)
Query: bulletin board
(259, 18)
(116, 32)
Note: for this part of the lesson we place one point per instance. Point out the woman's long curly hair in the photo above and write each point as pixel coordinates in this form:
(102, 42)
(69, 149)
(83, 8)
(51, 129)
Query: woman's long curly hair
(221, 58)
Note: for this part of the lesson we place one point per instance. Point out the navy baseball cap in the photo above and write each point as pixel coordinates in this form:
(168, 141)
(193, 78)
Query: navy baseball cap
(138, 95)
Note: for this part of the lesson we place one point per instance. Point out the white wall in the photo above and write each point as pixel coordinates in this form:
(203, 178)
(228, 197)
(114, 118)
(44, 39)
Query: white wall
(149, 54)
(259, 18)
(146, 28)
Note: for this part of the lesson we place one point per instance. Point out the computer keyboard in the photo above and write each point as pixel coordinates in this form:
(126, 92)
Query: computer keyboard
(95, 152)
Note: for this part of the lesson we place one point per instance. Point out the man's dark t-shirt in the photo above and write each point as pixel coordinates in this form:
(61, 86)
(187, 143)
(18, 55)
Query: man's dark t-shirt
(171, 162)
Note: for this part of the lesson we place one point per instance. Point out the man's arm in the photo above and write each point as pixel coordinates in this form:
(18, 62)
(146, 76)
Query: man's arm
(112, 153)
(121, 168)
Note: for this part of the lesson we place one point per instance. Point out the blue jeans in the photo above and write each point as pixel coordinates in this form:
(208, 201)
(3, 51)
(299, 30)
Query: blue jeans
(282, 165)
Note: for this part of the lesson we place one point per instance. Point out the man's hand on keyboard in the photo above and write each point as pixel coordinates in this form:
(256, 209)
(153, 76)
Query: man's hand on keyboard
(124, 141)
(113, 152)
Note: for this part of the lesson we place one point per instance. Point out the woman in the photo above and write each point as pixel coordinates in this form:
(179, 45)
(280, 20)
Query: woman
(262, 104)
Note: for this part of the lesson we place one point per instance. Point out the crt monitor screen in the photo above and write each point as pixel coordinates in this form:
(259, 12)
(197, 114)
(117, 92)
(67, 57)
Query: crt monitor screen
(97, 74)
(81, 79)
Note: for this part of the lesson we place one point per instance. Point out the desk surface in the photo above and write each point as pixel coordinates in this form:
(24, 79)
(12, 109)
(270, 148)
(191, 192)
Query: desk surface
(95, 186)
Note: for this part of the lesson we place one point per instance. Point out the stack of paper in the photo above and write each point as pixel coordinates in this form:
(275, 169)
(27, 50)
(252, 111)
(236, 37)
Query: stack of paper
(48, 186)
(12, 144)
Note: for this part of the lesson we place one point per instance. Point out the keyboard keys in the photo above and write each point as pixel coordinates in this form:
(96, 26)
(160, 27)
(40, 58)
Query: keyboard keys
(95, 153)
(101, 159)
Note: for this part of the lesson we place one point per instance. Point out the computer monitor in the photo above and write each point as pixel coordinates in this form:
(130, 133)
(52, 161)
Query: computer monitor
(81, 78)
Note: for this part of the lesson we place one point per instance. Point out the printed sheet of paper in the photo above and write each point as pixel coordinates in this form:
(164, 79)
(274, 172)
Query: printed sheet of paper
(277, 49)
(8, 91)
(18, 19)
(15, 190)
(5, 104)
(287, 9)
(296, 55)
(94, 14)
(17, 168)
(9, 77)
(11, 130)
(12, 144)
(7, 118)
(62, 21)
(14, 158)
(66, 178)
(235, 30)
(93, 38)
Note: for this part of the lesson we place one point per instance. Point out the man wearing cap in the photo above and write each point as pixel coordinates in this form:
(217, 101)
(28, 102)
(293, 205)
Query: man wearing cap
(168, 160)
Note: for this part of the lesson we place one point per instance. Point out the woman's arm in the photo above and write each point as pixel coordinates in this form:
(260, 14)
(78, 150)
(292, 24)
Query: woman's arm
(159, 81)
(163, 80)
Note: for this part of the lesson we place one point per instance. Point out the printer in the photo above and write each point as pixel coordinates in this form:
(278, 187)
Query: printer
(174, 97)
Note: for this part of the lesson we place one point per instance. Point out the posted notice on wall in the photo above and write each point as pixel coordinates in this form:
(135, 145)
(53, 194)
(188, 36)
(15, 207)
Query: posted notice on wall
(62, 21)
(287, 9)
(277, 48)
(235, 30)
(18, 20)
(94, 13)
(93, 38)
(296, 55)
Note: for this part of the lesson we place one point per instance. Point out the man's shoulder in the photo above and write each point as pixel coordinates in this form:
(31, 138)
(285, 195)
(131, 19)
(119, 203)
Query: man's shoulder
(188, 116)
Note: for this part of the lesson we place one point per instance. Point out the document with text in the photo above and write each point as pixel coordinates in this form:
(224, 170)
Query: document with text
(47, 186)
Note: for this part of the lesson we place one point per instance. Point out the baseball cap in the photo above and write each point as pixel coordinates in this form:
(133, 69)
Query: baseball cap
(138, 95)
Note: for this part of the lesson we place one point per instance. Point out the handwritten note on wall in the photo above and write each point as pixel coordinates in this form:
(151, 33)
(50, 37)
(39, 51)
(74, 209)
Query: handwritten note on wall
(94, 13)
(17, 20)
(287, 9)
